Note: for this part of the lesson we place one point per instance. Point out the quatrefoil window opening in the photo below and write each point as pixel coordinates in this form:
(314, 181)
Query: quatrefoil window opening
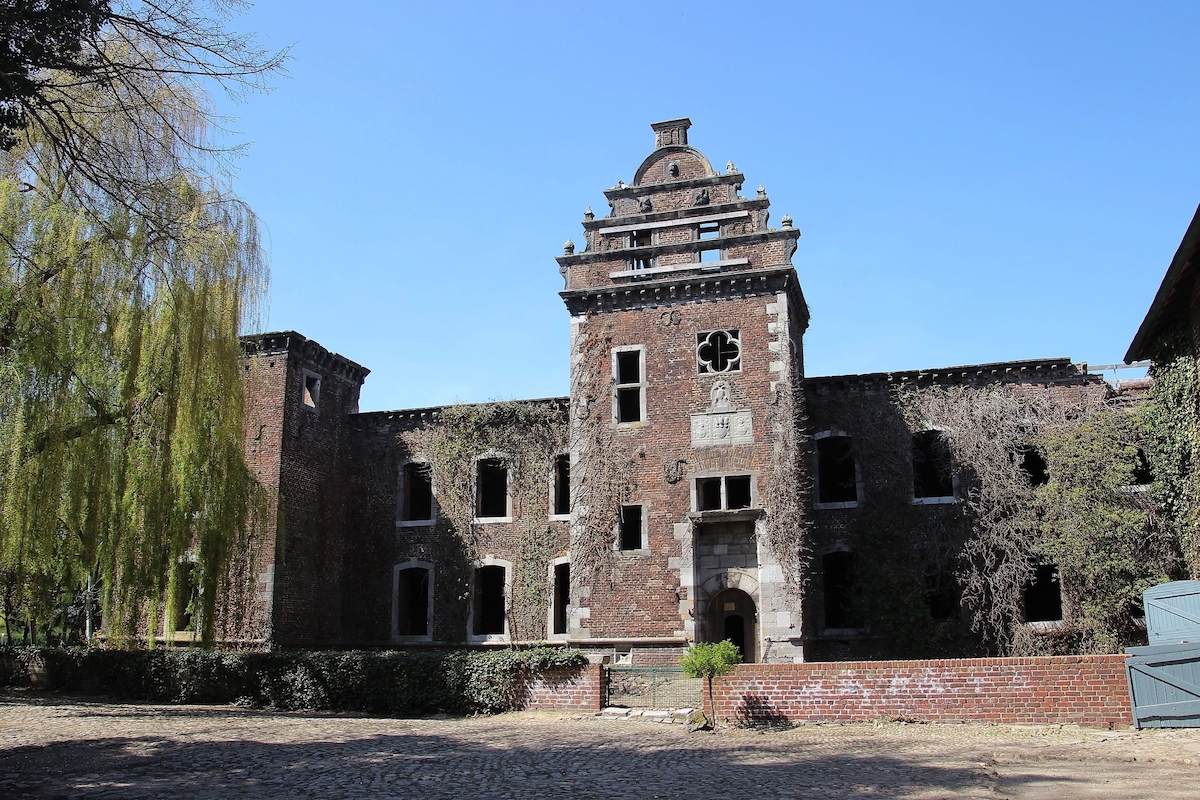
(718, 351)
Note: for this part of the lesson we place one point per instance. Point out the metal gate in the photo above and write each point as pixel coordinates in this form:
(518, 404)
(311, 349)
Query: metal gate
(1164, 685)
(652, 687)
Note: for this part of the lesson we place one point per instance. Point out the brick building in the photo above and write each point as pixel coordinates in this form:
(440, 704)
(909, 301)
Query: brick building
(693, 486)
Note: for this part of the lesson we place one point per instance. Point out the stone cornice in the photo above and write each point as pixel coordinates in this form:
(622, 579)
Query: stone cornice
(616, 192)
(757, 237)
(678, 214)
(407, 418)
(687, 289)
(291, 342)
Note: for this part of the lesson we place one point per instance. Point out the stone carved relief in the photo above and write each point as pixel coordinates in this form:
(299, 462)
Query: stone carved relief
(722, 423)
(669, 319)
(700, 197)
(675, 469)
(645, 206)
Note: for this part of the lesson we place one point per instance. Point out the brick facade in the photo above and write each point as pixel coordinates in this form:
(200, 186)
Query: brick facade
(685, 277)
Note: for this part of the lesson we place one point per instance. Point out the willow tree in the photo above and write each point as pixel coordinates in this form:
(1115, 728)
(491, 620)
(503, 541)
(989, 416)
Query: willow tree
(122, 293)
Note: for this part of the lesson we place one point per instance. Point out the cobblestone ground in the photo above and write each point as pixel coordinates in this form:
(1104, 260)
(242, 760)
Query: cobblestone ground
(52, 747)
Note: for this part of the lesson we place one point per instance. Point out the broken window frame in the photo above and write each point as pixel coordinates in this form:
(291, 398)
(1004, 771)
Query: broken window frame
(474, 610)
(558, 511)
(410, 565)
(560, 599)
(500, 459)
(825, 436)
(619, 540)
(310, 391)
(722, 479)
(707, 339)
(953, 473)
(642, 238)
(620, 388)
(404, 497)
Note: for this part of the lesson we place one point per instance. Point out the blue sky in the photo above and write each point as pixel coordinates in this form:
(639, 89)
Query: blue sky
(973, 182)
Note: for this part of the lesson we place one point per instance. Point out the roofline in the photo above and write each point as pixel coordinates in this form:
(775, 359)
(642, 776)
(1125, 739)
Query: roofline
(1139, 348)
(434, 411)
(285, 341)
(974, 370)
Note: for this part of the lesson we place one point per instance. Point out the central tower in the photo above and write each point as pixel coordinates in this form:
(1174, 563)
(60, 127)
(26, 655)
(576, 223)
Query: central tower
(687, 321)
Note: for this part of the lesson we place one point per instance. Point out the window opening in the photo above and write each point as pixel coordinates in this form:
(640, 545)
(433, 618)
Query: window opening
(708, 494)
(718, 351)
(942, 595)
(488, 608)
(1142, 475)
(492, 489)
(185, 596)
(709, 256)
(932, 472)
(312, 390)
(562, 484)
(1043, 595)
(709, 230)
(412, 598)
(737, 492)
(631, 528)
(642, 239)
(838, 569)
(629, 386)
(417, 500)
(724, 493)
(1034, 466)
(562, 597)
(837, 479)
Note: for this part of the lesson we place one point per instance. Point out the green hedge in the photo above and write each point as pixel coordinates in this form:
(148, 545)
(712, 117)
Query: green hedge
(398, 683)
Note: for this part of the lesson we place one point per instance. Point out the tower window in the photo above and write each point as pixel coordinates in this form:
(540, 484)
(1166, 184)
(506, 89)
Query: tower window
(562, 485)
(708, 230)
(718, 351)
(312, 390)
(933, 475)
(630, 537)
(641, 239)
(724, 493)
(837, 478)
(628, 369)
(491, 490)
(562, 598)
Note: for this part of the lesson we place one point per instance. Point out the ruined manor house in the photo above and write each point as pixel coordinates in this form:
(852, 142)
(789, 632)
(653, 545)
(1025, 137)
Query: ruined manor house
(696, 457)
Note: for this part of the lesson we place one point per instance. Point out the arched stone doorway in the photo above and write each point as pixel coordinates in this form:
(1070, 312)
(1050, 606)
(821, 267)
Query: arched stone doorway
(732, 615)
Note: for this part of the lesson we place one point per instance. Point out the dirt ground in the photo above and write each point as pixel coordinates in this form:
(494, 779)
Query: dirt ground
(60, 747)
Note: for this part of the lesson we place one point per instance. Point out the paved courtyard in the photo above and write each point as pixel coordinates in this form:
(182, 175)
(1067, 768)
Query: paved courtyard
(52, 747)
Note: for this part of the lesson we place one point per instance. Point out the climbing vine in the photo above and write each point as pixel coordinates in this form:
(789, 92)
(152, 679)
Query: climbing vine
(526, 436)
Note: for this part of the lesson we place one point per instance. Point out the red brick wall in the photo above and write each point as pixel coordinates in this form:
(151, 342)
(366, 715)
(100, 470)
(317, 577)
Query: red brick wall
(566, 689)
(1086, 690)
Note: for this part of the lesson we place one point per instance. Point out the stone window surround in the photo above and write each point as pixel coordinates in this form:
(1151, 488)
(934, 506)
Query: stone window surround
(433, 510)
(645, 548)
(412, 563)
(724, 510)
(643, 383)
(858, 481)
(508, 516)
(730, 333)
(934, 501)
(490, 638)
(550, 634)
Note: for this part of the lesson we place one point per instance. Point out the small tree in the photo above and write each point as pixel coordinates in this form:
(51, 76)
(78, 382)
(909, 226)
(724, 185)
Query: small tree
(704, 660)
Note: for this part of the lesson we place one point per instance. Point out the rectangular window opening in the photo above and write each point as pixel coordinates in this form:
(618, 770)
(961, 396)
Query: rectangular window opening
(562, 484)
(312, 390)
(709, 230)
(488, 602)
(708, 494)
(492, 489)
(932, 469)
(737, 492)
(412, 599)
(837, 480)
(1043, 595)
(562, 597)
(631, 528)
(629, 366)
(838, 572)
(709, 256)
(417, 500)
(629, 370)
(185, 597)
